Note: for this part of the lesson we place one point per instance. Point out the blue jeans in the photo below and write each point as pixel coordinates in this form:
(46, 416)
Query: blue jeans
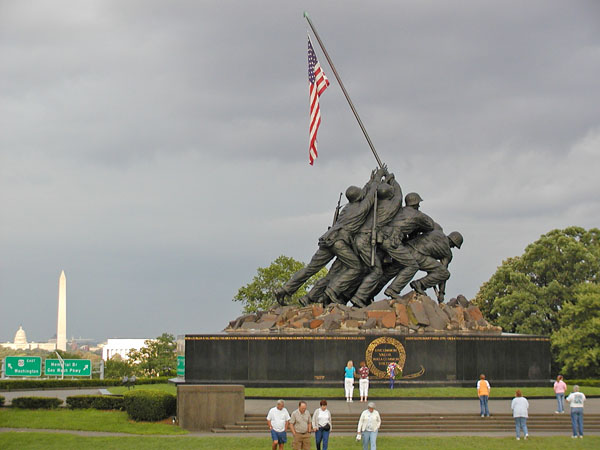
(322, 436)
(392, 382)
(560, 399)
(577, 421)
(521, 424)
(369, 436)
(483, 404)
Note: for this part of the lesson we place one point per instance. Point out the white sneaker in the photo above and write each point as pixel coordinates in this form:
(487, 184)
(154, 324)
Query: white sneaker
(573, 437)
(556, 412)
(482, 415)
(526, 436)
(518, 439)
(580, 437)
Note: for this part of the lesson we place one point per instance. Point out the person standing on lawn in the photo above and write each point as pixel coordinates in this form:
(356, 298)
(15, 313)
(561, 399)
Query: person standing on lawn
(392, 368)
(368, 425)
(519, 407)
(349, 374)
(560, 388)
(363, 383)
(483, 391)
(278, 420)
(301, 426)
(321, 423)
(576, 400)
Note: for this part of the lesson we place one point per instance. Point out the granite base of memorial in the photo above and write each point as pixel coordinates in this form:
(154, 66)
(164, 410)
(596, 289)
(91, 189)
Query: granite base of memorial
(448, 344)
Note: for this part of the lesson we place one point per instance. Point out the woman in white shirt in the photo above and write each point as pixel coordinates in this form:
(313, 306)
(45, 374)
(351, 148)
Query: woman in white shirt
(519, 407)
(321, 422)
(368, 425)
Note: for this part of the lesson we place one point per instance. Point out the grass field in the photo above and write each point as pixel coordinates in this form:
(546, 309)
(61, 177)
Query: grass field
(81, 419)
(50, 441)
(530, 392)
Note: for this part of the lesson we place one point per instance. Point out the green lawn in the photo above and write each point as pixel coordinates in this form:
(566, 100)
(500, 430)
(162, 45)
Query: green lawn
(81, 419)
(529, 392)
(49, 441)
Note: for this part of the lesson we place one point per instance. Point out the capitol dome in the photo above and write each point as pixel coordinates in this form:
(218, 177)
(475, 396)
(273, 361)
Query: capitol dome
(20, 336)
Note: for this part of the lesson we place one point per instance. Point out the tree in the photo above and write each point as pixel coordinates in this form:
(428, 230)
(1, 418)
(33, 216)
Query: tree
(115, 367)
(157, 357)
(526, 294)
(577, 342)
(551, 289)
(258, 295)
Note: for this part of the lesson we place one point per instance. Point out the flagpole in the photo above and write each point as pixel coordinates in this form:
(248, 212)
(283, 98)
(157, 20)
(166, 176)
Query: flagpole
(339, 80)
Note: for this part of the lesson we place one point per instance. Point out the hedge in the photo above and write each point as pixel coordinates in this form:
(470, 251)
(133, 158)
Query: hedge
(36, 402)
(7, 385)
(95, 402)
(586, 382)
(149, 405)
(1, 401)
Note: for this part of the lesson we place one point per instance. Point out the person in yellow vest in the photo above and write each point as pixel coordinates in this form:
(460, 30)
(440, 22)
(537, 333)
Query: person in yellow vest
(483, 391)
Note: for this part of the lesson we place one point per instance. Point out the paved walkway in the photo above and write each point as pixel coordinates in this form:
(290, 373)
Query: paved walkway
(57, 393)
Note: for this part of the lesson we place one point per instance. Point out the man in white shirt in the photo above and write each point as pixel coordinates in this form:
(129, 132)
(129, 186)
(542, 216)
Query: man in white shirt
(368, 425)
(576, 400)
(278, 420)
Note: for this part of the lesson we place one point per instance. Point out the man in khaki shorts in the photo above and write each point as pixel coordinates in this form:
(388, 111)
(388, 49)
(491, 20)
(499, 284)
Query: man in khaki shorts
(301, 426)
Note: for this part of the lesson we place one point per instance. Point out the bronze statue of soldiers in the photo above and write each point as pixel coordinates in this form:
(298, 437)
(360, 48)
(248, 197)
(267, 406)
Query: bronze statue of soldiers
(407, 222)
(433, 253)
(337, 242)
(389, 201)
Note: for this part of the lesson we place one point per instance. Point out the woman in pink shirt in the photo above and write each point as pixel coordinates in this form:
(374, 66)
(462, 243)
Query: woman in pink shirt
(559, 389)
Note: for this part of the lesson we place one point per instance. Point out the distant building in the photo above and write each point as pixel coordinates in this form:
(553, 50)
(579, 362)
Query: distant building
(20, 343)
(121, 347)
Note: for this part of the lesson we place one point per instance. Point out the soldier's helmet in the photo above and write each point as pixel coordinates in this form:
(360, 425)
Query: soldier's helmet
(412, 199)
(456, 238)
(385, 191)
(353, 193)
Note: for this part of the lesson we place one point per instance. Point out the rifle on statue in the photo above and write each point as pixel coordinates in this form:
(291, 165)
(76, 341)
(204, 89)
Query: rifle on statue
(337, 210)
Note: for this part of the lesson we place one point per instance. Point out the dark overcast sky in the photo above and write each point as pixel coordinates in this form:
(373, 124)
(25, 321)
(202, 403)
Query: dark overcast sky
(157, 150)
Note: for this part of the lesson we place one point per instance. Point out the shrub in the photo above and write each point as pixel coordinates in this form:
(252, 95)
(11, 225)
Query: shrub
(1, 401)
(36, 402)
(149, 405)
(95, 401)
(584, 382)
(7, 385)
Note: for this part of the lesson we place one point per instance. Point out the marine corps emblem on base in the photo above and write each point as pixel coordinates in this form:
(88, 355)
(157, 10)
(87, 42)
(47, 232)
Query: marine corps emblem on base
(383, 351)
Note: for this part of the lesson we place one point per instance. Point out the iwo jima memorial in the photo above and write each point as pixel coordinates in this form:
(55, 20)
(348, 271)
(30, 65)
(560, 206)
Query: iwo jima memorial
(378, 242)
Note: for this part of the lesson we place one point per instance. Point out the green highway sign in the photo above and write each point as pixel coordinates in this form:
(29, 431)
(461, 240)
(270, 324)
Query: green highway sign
(73, 367)
(181, 366)
(23, 366)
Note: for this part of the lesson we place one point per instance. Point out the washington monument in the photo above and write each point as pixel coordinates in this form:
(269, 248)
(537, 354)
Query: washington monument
(61, 324)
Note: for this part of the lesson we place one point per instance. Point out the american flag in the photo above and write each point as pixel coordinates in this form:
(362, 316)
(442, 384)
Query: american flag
(317, 83)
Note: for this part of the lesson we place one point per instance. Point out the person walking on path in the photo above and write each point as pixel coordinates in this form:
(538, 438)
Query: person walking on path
(278, 420)
(368, 425)
(576, 400)
(301, 426)
(363, 383)
(483, 391)
(321, 423)
(560, 388)
(349, 374)
(519, 407)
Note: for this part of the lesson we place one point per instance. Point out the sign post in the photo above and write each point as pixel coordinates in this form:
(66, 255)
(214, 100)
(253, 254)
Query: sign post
(181, 366)
(69, 367)
(23, 366)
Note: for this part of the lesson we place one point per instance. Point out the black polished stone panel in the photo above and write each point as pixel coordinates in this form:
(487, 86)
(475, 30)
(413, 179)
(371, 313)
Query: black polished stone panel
(319, 360)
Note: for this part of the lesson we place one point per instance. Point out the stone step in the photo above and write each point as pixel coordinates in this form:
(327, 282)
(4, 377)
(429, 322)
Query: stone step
(409, 423)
